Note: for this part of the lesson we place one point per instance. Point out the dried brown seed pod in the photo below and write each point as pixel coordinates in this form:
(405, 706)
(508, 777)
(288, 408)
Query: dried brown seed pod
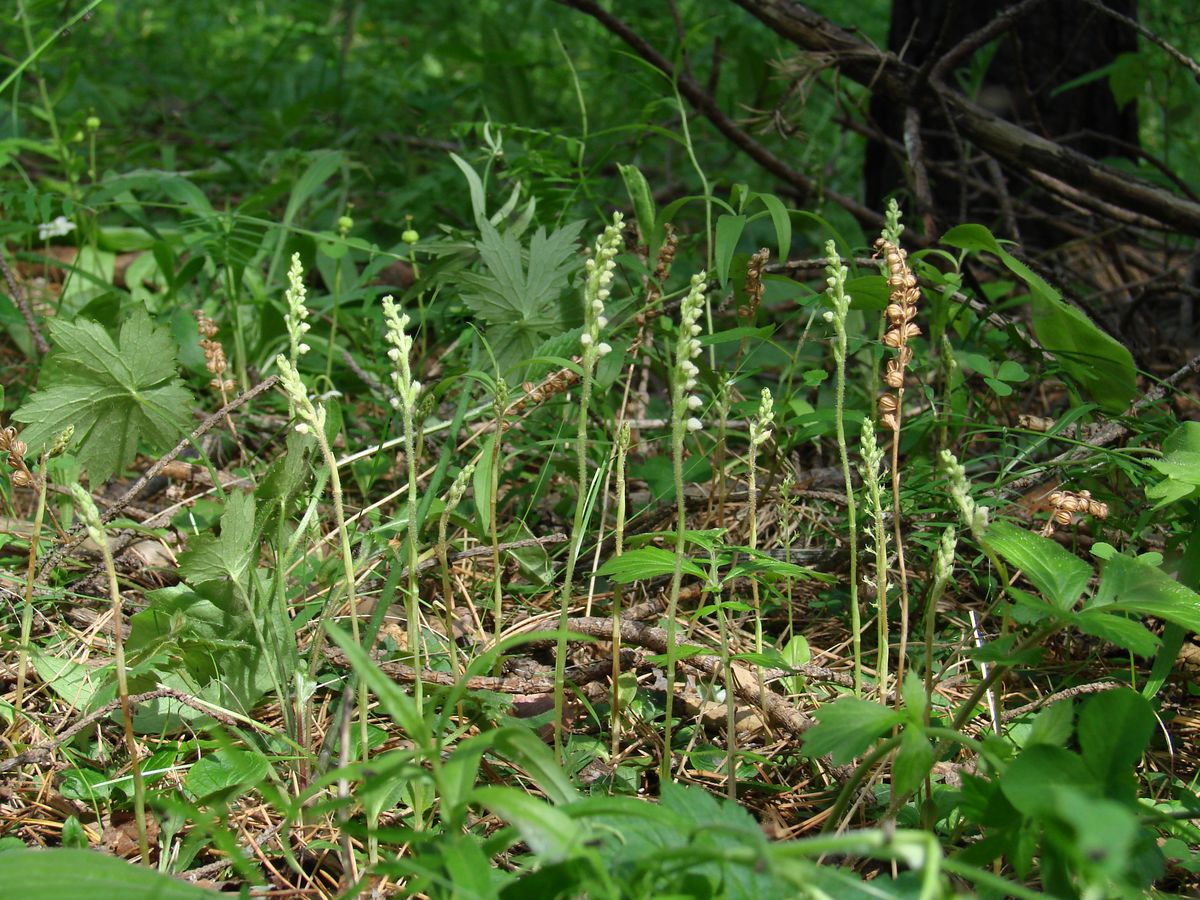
(21, 478)
(888, 403)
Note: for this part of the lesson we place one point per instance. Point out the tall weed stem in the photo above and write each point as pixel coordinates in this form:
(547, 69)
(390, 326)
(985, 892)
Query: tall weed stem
(683, 404)
(835, 281)
(596, 292)
(91, 519)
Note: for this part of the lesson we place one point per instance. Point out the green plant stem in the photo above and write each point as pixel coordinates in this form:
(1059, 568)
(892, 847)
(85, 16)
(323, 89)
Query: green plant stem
(447, 589)
(30, 577)
(494, 529)
(882, 629)
(412, 591)
(333, 328)
(851, 512)
(339, 512)
(577, 527)
(755, 600)
(139, 786)
(898, 531)
(618, 549)
(730, 704)
(678, 431)
(239, 331)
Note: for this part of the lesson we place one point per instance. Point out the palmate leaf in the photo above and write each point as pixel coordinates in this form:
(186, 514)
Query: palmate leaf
(117, 395)
(519, 300)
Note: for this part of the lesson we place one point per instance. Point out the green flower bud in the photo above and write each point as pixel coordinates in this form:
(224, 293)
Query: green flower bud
(93, 123)
(410, 236)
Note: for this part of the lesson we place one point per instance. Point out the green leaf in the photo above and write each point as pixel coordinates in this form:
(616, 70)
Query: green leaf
(648, 562)
(782, 222)
(643, 206)
(729, 230)
(73, 834)
(1052, 725)
(1131, 586)
(1029, 780)
(1114, 729)
(848, 727)
(213, 558)
(1052, 569)
(521, 302)
(67, 874)
(1118, 630)
(913, 760)
(1098, 363)
(117, 395)
(549, 832)
(226, 770)
(796, 652)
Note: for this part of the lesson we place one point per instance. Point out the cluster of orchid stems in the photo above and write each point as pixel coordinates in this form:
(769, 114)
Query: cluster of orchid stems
(684, 404)
(597, 289)
(312, 422)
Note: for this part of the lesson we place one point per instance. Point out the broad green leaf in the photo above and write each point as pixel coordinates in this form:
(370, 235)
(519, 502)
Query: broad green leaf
(549, 832)
(521, 301)
(647, 562)
(796, 652)
(848, 727)
(1029, 780)
(117, 395)
(224, 770)
(73, 681)
(1052, 569)
(1114, 728)
(1052, 725)
(729, 230)
(1100, 364)
(213, 558)
(68, 874)
(1131, 586)
(1119, 630)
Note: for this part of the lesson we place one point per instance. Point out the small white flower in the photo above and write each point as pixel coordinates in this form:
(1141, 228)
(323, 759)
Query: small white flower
(395, 403)
(694, 424)
(827, 315)
(303, 348)
(302, 428)
(414, 388)
(696, 329)
(694, 402)
(394, 355)
(602, 321)
(60, 227)
(603, 349)
(585, 339)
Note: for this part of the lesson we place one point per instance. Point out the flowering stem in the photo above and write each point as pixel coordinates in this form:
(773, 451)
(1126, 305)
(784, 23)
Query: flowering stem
(27, 608)
(836, 281)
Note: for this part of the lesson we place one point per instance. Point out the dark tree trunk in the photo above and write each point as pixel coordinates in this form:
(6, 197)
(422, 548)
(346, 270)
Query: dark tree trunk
(1048, 47)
